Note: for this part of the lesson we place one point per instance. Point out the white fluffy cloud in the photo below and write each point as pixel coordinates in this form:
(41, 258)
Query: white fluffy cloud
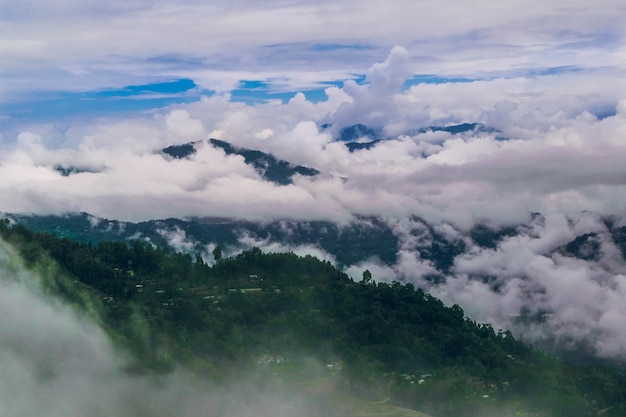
(550, 153)
(527, 284)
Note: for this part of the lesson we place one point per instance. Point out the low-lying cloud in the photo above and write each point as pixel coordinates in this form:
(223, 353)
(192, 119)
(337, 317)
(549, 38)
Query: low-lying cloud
(527, 282)
(57, 362)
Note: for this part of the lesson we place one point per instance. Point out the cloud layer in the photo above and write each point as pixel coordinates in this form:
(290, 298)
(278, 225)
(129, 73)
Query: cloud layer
(549, 148)
(85, 45)
(545, 79)
(526, 282)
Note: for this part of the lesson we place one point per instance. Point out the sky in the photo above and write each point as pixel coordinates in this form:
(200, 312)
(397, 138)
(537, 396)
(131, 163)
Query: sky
(103, 87)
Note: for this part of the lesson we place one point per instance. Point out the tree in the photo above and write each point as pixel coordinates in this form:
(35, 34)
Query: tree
(217, 254)
(367, 277)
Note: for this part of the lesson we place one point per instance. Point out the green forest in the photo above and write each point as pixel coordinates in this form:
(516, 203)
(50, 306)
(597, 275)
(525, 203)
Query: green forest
(300, 321)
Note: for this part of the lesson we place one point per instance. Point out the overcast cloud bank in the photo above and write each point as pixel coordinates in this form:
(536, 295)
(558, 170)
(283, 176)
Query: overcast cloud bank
(74, 45)
(551, 153)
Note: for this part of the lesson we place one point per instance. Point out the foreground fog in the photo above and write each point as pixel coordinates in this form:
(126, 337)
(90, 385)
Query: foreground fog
(57, 362)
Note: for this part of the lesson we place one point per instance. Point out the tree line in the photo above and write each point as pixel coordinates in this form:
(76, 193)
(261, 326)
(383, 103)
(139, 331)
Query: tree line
(389, 340)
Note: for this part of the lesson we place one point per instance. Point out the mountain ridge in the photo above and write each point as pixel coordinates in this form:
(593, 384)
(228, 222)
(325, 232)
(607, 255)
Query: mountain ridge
(385, 245)
(272, 169)
(383, 340)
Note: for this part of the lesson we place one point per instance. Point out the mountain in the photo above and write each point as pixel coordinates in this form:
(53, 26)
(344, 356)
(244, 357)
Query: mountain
(286, 321)
(180, 151)
(456, 129)
(67, 171)
(357, 146)
(358, 131)
(443, 259)
(360, 136)
(268, 166)
(364, 238)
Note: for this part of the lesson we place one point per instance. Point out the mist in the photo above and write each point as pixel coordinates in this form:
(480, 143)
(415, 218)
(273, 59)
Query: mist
(57, 361)
(526, 281)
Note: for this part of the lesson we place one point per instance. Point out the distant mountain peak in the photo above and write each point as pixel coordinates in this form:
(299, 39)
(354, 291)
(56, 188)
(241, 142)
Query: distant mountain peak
(272, 169)
(180, 151)
(66, 171)
(359, 136)
(359, 131)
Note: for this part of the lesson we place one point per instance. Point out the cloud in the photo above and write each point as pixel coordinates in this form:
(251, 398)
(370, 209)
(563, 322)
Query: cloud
(384, 80)
(552, 145)
(550, 153)
(526, 283)
(527, 277)
(269, 245)
(85, 46)
(54, 359)
(180, 123)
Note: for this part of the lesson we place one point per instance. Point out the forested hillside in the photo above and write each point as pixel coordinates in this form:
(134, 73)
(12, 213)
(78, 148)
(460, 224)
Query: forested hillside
(279, 313)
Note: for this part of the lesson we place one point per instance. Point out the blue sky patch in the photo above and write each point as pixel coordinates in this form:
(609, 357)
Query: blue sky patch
(259, 96)
(554, 70)
(253, 85)
(260, 91)
(170, 87)
(49, 106)
(433, 79)
(325, 47)
(136, 98)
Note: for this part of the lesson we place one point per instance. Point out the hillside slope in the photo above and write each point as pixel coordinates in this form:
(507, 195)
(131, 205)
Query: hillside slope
(295, 321)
